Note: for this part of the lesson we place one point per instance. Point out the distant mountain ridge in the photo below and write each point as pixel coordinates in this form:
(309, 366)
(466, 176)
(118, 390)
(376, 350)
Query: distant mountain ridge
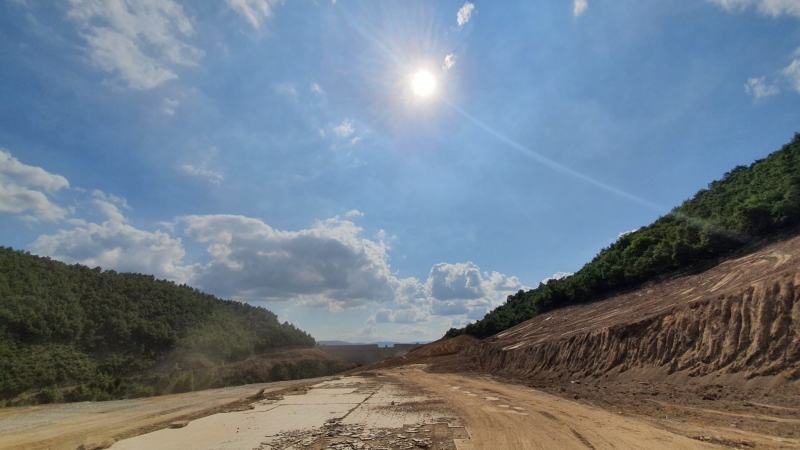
(379, 343)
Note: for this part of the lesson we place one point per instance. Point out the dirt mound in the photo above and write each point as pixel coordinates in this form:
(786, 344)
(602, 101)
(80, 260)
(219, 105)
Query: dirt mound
(741, 317)
(443, 347)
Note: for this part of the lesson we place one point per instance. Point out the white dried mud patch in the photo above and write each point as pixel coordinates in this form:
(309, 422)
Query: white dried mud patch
(349, 413)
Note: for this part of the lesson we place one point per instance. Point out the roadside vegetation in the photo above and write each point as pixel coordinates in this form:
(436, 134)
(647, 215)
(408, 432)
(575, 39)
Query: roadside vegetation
(72, 333)
(748, 205)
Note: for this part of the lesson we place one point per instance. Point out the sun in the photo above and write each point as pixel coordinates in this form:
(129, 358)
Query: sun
(423, 83)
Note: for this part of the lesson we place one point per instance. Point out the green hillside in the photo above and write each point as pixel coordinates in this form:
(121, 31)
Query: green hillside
(747, 205)
(116, 335)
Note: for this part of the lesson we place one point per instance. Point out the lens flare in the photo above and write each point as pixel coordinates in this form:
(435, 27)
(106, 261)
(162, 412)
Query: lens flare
(423, 83)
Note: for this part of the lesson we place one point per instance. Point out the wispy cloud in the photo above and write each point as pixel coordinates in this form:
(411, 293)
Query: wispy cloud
(254, 11)
(465, 13)
(168, 106)
(287, 89)
(759, 89)
(200, 169)
(792, 72)
(579, 7)
(139, 42)
(774, 8)
(449, 61)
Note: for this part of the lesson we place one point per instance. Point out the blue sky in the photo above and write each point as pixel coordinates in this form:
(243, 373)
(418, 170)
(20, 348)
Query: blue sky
(276, 152)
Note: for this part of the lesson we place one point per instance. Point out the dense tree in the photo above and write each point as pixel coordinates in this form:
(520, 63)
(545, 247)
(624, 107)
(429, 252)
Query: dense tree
(71, 325)
(747, 205)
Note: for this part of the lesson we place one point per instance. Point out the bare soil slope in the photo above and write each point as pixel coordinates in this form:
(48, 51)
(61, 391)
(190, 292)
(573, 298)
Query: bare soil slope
(742, 316)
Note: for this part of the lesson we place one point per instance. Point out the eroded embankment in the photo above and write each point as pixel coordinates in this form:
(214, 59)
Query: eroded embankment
(749, 328)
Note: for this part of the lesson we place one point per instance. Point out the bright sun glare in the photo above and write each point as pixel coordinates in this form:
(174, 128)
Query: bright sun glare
(423, 83)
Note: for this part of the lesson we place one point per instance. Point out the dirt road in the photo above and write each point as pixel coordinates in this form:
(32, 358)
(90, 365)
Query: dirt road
(402, 408)
(507, 416)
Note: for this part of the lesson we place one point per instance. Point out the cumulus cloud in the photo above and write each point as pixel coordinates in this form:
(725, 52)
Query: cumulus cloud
(774, 8)
(449, 61)
(459, 291)
(138, 42)
(412, 315)
(328, 265)
(579, 7)
(120, 246)
(344, 129)
(13, 171)
(465, 13)
(109, 205)
(558, 276)
(354, 213)
(24, 188)
(254, 11)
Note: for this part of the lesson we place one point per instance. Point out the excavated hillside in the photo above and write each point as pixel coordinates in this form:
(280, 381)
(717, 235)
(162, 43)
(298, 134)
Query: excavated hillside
(741, 317)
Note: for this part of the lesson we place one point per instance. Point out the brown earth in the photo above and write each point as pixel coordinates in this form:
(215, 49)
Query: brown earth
(714, 356)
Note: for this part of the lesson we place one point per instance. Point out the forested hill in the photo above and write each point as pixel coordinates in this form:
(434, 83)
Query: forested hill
(747, 205)
(68, 324)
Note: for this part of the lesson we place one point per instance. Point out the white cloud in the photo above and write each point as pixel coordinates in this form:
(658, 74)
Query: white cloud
(329, 265)
(459, 291)
(15, 172)
(169, 105)
(624, 233)
(449, 61)
(23, 187)
(201, 172)
(774, 8)
(355, 141)
(345, 129)
(759, 89)
(118, 246)
(254, 11)
(287, 89)
(354, 213)
(317, 88)
(558, 276)
(465, 13)
(579, 7)
(412, 315)
(792, 73)
(137, 41)
(200, 168)
(109, 205)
